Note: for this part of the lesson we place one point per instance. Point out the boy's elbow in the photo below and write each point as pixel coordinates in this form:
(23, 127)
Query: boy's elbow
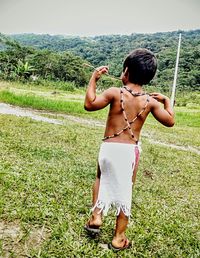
(171, 123)
(87, 107)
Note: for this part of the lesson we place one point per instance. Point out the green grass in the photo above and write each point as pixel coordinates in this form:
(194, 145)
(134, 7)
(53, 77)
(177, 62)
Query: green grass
(184, 133)
(189, 99)
(45, 185)
(69, 105)
(46, 174)
(44, 85)
(38, 97)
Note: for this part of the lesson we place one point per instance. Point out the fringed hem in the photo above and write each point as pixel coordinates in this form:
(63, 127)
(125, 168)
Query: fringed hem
(104, 207)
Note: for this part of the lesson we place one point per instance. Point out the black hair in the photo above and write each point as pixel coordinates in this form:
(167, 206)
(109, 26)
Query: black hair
(142, 65)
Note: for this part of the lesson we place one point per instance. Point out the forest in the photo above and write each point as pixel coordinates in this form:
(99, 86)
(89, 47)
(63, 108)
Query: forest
(61, 58)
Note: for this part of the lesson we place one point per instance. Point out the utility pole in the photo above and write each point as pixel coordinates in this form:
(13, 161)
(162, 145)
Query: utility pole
(176, 72)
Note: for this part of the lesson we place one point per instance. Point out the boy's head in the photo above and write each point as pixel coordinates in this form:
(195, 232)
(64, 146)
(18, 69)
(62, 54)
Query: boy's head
(140, 66)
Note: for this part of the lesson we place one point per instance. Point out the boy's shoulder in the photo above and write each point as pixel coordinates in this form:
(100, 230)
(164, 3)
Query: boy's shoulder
(114, 90)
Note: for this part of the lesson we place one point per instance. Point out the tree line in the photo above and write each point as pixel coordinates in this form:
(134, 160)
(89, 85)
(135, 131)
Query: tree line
(25, 63)
(62, 58)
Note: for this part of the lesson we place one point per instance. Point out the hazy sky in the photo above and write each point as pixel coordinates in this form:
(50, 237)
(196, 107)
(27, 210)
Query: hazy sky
(92, 17)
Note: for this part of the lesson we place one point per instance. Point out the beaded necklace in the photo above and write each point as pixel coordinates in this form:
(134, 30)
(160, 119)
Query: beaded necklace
(135, 94)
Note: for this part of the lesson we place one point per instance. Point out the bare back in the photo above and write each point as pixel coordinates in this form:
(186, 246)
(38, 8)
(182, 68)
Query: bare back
(116, 122)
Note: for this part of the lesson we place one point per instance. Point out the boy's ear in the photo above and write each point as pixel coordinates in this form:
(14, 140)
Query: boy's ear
(126, 73)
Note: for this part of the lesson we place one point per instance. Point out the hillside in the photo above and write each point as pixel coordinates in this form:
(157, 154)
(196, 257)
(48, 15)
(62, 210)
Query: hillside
(112, 50)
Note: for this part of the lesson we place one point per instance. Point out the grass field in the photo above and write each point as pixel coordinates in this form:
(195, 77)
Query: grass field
(46, 173)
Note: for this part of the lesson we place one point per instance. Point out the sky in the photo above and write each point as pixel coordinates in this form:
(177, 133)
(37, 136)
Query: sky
(98, 17)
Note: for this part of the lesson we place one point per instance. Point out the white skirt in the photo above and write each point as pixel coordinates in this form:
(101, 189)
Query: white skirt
(116, 162)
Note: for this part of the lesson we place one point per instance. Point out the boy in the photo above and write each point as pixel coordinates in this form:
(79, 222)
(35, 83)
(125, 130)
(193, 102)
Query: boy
(119, 152)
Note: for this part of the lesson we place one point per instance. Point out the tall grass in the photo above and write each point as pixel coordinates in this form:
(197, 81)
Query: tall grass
(189, 99)
(43, 103)
(41, 83)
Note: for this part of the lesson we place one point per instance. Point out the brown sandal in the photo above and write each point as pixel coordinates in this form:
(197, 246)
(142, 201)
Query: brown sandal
(92, 230)
(127, 245)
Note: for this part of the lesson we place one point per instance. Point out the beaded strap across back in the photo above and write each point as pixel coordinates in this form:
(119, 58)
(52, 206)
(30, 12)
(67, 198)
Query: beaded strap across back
(128, 126)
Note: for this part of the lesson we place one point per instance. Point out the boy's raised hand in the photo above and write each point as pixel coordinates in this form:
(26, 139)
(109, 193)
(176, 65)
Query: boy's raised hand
(99, 71)
(159, 97)
(164, 116)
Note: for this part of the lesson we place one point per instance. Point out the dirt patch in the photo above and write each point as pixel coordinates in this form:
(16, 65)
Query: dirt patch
(17, 111)
(18, 242)
(11, 230)
(148, 174)
(177, 147)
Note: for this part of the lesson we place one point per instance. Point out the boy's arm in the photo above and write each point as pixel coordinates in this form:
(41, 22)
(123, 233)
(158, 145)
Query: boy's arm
(164, 116)
(92, 101)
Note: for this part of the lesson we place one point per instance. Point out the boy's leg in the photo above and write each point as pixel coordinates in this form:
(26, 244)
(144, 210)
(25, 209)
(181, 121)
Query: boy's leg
(120, 240)
(134, 174)
(137, 153)
(95, 220)
(95, 189)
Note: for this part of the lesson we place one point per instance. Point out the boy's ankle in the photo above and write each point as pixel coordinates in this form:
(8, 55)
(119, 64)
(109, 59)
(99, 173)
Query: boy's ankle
(119, 240)
(119, 236)
(95, 220)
